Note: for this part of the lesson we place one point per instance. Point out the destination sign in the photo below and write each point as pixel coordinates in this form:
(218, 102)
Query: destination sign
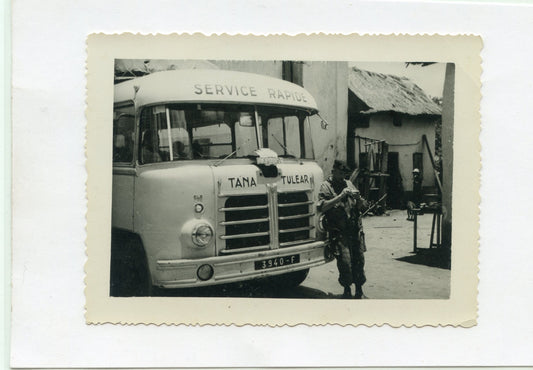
(295, 179)
(242, 182)
(213, 86)
(238, 182)
(243, 90)
(229, 90)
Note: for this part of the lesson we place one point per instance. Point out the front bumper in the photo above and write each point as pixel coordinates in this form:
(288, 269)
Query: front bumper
(237, 267)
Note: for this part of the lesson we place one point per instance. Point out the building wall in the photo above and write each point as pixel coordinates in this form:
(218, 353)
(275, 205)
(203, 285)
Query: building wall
(328, 83)
(270, 68)
(406, 140)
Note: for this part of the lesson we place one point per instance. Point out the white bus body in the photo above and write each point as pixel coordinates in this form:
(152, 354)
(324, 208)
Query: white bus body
(214, 181)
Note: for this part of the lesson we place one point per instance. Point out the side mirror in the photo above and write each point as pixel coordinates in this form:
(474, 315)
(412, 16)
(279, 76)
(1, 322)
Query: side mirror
(323, 123)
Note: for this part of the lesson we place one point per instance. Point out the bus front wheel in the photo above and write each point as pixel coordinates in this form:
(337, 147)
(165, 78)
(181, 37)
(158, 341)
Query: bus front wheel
(291, 279)
(130, 276)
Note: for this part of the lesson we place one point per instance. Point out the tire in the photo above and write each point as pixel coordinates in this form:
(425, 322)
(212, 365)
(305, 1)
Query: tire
(289, 280)
(130, 276)
(294, 279)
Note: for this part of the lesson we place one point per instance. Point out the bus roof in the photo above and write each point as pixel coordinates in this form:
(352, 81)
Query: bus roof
(214, 86)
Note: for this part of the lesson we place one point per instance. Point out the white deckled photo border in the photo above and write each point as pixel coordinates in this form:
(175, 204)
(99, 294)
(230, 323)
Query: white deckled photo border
(459, 310)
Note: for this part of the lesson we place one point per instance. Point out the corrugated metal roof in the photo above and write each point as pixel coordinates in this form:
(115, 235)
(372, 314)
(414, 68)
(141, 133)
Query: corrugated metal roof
(383, 93)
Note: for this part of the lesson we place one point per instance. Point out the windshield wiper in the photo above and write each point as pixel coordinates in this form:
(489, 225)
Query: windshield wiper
(287, 151)
(226, 157)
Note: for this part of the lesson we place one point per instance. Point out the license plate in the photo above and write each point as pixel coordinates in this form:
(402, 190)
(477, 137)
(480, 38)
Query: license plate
(277, 262)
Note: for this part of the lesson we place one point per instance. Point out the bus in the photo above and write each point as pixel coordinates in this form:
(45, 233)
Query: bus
(214, 181)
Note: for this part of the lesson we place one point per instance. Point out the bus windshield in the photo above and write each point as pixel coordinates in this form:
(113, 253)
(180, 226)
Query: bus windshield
(174, 132)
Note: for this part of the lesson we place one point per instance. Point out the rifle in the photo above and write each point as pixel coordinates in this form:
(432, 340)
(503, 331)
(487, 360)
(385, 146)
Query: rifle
(373, 205)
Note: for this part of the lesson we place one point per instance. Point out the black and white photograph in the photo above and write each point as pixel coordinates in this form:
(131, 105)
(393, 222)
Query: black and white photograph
(282, 179)
(240, 190)
(253, 184)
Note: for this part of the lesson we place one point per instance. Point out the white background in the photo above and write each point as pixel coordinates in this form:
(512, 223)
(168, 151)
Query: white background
(49, 55)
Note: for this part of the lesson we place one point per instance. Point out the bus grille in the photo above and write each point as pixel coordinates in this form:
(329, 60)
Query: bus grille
(294, 214)
(247, 221)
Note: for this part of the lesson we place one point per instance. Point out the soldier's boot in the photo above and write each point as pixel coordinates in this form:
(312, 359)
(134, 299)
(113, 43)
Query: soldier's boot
(347, 292)
(359, 292)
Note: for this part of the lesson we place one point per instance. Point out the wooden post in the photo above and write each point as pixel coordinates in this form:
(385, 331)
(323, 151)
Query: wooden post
(383, 170)
(436, 223)
(448, 112)
(439, 241)
(415, 250)
(425, 139)
(432, 232)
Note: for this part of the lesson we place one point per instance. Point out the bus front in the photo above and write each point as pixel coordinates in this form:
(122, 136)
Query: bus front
(226, 189)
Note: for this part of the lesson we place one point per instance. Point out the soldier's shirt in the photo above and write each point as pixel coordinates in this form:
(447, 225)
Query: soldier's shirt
(344, 217)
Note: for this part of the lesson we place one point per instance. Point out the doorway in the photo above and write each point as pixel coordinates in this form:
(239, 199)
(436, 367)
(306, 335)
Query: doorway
(396, 195)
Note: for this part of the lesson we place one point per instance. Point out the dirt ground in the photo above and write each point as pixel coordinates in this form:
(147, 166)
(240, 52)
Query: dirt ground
(392, 270)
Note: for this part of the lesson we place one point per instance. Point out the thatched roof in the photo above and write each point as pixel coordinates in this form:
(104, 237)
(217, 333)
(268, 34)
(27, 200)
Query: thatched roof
(386, 93)
(126, 69)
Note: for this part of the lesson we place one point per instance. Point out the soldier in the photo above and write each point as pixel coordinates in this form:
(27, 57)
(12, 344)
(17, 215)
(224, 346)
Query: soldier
(342, 204)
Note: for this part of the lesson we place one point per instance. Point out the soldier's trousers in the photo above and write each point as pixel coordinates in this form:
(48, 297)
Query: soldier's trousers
(350, 262)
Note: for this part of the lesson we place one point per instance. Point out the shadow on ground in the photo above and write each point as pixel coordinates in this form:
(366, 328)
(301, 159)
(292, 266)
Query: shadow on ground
(258, 289)
(436, 257)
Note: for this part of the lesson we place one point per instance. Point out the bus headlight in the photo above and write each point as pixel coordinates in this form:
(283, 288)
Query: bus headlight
(202, 235)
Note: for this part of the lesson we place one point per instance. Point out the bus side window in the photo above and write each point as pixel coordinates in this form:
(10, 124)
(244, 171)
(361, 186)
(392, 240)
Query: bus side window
(123, 133)
(152, 120)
